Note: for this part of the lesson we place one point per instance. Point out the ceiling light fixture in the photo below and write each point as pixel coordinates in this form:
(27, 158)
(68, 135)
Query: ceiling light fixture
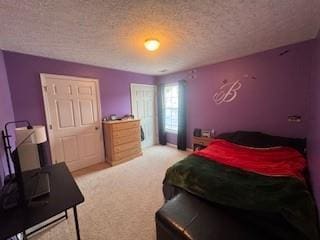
(152, 44)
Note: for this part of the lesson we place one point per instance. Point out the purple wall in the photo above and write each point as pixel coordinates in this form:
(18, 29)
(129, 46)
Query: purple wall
(279, 88)
(314, 127)
(6, 112)
(24, 79)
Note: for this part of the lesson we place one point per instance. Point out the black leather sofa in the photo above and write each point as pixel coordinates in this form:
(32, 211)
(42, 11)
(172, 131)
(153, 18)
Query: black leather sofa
(188, 217)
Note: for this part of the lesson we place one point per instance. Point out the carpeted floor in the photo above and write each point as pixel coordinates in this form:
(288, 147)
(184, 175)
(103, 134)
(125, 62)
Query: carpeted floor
(120, 202)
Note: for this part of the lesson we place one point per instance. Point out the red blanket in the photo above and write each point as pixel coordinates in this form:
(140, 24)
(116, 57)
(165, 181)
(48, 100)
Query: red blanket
(282, 161)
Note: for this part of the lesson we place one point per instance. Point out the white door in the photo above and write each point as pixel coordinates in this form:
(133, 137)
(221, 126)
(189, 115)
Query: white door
(144, 107)
(73, 114)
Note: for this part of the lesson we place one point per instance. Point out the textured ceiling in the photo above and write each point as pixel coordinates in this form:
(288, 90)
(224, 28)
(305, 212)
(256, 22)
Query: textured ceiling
(192, 32)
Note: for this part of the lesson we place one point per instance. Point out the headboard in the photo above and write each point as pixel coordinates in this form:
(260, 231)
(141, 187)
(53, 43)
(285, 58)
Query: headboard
(262, 140)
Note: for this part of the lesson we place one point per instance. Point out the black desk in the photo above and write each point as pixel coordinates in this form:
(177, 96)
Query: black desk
(64, 194)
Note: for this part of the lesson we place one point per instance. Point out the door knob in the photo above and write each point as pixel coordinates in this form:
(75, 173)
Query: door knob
(96, 128)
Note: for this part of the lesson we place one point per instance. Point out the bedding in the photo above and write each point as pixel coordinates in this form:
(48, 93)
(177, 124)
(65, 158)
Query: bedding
(276, 161)
(270, 197)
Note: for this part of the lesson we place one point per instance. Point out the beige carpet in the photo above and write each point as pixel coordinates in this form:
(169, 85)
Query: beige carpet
(120, 202)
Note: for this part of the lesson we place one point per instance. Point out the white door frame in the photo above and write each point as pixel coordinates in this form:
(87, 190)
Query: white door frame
(43, 77)
(156, 130)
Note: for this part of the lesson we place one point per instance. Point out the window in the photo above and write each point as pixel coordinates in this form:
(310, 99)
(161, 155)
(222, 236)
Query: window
(171, 93)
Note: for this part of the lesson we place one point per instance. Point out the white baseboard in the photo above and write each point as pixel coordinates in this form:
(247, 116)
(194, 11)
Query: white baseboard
(175, 146)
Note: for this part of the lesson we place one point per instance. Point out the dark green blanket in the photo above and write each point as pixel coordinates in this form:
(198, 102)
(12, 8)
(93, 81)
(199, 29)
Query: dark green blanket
(228, 186)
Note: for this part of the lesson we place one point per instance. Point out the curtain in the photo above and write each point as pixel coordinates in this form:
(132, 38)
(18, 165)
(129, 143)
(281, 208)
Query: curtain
(182, 116)
(161, 116)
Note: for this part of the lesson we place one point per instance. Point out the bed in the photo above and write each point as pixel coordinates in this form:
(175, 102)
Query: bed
(276, 199)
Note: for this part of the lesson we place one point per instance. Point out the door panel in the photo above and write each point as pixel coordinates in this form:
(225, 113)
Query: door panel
(61, 89)
(143, 102)
(89, 143)
(73, 111)
(70, 148)
(86, 112)
(57, 150)
(85, 91)
(65, 113)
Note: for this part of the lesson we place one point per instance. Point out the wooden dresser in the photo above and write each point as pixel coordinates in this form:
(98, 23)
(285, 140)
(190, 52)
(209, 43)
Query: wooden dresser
(122, 140)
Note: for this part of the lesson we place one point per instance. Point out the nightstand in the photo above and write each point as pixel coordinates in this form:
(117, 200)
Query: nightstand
(200, 142)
